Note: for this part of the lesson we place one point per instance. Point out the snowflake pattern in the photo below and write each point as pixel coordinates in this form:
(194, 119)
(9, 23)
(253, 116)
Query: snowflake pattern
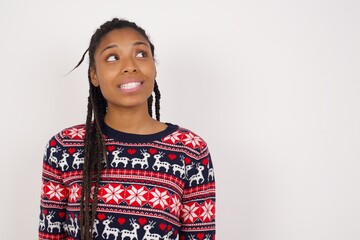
(189, 212)
(173, 138)
(137, 195)
(186, 138)
(74, 193)
(55, 191)
(75, 132)
(208, 208)
(111, 193)
(175, 206)
(192, 140)
(159, 199)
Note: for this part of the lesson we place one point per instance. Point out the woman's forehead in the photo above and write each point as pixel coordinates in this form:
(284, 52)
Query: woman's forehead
(122, 36)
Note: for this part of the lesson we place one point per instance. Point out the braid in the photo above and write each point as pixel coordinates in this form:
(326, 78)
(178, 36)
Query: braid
(157, 101)
(150, 103)
(94, 143)
(95, 152)
(85, 192)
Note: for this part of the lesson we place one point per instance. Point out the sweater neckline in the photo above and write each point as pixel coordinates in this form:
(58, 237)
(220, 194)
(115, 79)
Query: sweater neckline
(117, 135)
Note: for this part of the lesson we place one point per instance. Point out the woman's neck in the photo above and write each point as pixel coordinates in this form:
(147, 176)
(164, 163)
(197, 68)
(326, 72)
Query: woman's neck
(133, 121)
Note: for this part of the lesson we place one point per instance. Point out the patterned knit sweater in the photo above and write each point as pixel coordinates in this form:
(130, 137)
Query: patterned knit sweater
(157, 186)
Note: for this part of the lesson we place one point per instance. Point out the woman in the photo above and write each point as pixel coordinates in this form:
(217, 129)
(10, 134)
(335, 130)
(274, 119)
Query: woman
(124, 175)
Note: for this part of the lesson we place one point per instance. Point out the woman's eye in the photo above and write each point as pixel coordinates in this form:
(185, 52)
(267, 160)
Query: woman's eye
(112, 58)
(141, 54)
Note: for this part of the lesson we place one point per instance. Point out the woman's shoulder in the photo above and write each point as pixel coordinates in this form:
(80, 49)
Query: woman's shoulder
(187, 138)
(75, 132)
(70, 135)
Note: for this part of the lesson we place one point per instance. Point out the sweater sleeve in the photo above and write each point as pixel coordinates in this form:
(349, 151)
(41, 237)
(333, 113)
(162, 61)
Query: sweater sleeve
(198, 203)
(54, 194)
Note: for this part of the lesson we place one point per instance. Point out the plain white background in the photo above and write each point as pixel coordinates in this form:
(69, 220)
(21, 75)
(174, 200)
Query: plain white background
(272, 86)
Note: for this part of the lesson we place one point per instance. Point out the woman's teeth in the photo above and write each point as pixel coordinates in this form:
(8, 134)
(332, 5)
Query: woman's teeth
(130, 85)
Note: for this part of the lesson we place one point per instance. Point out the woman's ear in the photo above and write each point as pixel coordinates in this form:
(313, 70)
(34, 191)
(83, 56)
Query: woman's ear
(94, 78)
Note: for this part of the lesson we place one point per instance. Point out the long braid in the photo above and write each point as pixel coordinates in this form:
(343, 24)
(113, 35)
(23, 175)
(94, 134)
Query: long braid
(94, 143)
(98, 151)
(85, 192)
(94, 150)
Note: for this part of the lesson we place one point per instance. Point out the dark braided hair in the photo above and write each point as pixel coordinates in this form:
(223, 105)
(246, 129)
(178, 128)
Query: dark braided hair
(94, 144)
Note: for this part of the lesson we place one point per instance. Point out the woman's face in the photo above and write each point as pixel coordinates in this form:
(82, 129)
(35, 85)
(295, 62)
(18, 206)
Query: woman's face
(124, 69)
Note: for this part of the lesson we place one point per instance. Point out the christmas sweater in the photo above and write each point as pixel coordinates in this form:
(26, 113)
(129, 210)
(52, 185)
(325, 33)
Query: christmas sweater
(157, 186)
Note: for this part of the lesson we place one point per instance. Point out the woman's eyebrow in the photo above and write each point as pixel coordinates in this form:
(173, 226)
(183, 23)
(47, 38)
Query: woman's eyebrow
(140, 43)
(110, 46)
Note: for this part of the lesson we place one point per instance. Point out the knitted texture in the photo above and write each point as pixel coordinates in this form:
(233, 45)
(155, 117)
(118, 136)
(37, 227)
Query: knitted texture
(157, 186)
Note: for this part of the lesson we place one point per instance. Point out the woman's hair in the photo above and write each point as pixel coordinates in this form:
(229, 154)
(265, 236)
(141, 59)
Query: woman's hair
(94, 144)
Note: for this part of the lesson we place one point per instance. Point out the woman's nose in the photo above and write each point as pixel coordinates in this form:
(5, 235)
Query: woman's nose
(129, 66)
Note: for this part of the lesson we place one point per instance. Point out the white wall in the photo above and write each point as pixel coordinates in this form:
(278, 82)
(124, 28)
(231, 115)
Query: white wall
(272, 86)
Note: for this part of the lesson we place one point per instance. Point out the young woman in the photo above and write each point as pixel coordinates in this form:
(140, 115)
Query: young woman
(124, 175)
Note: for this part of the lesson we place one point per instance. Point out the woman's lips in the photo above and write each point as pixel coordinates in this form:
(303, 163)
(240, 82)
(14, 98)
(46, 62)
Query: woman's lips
(130, 86)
